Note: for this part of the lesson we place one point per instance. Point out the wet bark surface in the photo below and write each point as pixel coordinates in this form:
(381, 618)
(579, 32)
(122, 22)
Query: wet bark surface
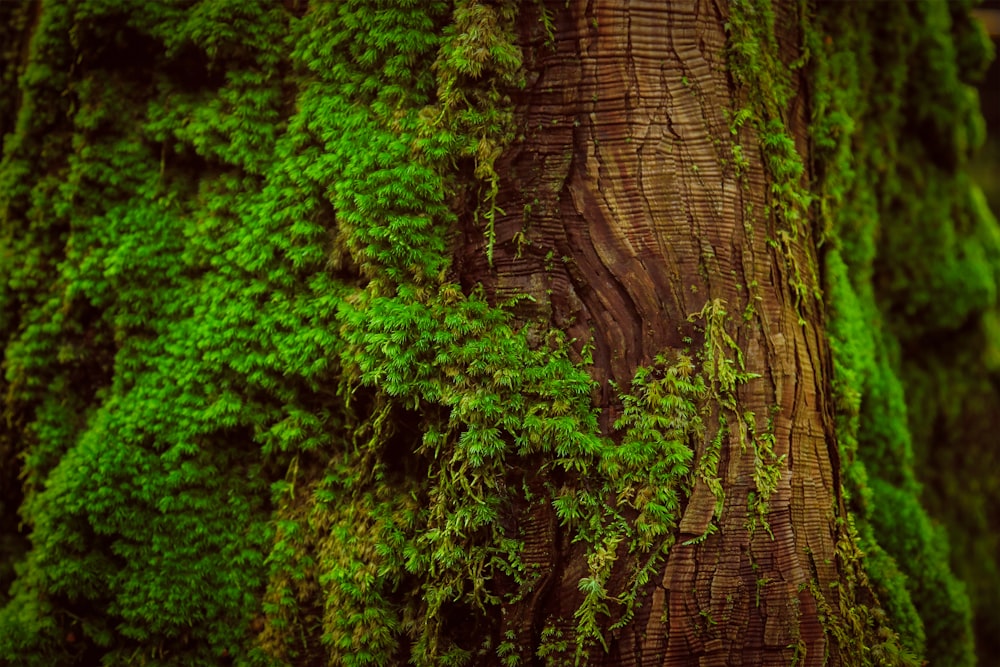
(624, 215)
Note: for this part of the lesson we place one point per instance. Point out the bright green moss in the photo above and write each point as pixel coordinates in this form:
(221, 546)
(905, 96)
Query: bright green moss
(242, 246)
(142, 500)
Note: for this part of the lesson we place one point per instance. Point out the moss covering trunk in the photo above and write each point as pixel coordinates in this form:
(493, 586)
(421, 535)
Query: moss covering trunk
(489, 333)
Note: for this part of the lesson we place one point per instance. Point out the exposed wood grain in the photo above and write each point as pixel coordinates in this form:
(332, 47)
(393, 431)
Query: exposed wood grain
(623, 185)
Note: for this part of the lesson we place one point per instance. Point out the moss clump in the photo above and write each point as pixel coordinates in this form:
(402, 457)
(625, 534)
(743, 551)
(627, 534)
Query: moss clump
(231, 229)
(955, 406)
(908, 253)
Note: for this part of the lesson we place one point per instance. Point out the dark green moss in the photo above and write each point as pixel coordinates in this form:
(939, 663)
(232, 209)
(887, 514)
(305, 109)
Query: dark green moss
(911, 253)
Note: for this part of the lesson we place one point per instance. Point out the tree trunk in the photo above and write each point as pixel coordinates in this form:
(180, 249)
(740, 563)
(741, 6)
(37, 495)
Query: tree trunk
(626, 213)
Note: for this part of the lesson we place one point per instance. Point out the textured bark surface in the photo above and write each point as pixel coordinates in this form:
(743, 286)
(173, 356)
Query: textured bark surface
(623, 215)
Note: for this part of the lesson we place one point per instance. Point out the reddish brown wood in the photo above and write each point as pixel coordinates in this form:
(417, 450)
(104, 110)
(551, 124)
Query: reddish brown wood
(623, 215)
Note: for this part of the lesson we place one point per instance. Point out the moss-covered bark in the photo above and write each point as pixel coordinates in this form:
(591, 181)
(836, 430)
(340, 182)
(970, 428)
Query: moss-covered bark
(911, 272)
(310, 312)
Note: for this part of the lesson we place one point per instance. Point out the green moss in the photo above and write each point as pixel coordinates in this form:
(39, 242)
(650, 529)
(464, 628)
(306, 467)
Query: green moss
(955, 407)
(765, 80)
(908, 253)
(766, 87)
(245, 253)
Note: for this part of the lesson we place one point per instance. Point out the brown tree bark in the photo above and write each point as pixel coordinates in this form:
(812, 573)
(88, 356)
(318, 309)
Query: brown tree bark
(624, 214)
